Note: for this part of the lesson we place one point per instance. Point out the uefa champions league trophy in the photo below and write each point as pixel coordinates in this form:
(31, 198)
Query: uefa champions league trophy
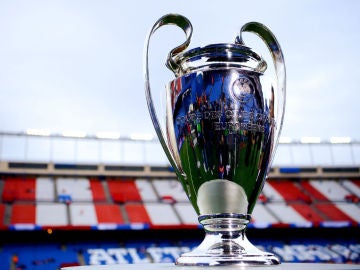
(223, 120)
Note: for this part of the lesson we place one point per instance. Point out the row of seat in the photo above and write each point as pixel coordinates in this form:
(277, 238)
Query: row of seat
(313, 190)
(160, 215)
(145, 190)
(56, 255)
(93, 189)
(114, 203)
(37, 256)
(98, 215)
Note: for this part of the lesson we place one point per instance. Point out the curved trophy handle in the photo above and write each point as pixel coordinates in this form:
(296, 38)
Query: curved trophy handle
(185, 25)
(273, 45)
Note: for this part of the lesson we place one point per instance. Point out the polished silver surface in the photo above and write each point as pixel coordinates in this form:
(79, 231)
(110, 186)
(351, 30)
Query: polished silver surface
(223, 120)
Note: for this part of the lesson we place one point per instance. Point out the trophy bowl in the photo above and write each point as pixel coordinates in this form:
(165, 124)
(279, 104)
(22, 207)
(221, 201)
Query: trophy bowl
(222, 124)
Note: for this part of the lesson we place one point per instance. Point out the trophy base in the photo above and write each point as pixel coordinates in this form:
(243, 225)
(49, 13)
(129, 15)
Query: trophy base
(215, 251)
(225, 245)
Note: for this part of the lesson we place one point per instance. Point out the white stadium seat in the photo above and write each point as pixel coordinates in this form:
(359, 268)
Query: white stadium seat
(162, 214)
(262, 217)
(45, 189)
(287, 214)
(82, 214)
(170, 190)
(352, 187)
(187, 213)
(146, 190)
(51, 214)
(75, 189)
(271, 193)
(350, 209)
(330, 189)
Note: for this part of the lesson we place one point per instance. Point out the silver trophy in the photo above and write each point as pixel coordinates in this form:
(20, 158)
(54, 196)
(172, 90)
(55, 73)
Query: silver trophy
(223, 120)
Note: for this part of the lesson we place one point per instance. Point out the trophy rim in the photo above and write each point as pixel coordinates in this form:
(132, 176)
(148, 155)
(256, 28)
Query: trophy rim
(220, 55)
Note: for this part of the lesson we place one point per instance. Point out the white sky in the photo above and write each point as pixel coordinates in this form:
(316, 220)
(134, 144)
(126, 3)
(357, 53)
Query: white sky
(78, 64)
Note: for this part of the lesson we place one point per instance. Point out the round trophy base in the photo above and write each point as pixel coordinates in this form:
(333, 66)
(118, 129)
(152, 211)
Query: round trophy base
(217, 250)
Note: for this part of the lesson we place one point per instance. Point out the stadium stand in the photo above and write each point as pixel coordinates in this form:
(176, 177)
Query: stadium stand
(149, 218)
(82, 201)
(136, 204)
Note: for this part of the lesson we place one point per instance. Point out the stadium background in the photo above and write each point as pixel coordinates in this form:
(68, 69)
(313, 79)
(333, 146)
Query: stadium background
(74, 202)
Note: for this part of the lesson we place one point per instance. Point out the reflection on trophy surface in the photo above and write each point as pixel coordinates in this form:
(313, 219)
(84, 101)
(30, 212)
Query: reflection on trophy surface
(222, 126)
(223, 130)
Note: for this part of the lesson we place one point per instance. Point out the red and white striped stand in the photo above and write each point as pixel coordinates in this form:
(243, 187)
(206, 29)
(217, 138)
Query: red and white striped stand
(167, 266)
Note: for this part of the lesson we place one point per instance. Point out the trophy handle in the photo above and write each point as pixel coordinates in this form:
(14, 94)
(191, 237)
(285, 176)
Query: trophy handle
(185, 25)
(278, 58)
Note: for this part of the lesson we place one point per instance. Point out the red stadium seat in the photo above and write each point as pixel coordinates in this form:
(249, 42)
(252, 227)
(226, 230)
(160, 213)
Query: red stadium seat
(315, 194)
(332, 212)
(308, 212)
(19, 189)
(137, 213)
(123, 190)
(97, 190)
(290, 191)
(2, 215)
(23, 214)
(108, 213)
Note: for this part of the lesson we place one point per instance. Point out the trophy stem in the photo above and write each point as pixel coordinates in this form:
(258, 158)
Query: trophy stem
(225, 243)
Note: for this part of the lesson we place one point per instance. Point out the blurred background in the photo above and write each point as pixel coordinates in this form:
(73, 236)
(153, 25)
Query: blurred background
(76, 138)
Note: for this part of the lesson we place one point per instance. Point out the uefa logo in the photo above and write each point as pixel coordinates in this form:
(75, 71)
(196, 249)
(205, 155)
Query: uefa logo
(241, 88)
